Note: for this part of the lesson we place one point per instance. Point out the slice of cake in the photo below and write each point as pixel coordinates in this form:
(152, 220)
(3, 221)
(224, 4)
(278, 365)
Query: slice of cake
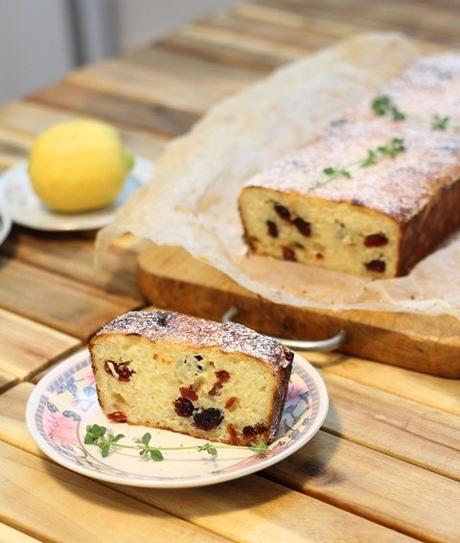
(221, 382)
(377, 190)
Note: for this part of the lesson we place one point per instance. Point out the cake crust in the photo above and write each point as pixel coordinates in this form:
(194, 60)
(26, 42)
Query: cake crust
(176, 331)
(417, 190)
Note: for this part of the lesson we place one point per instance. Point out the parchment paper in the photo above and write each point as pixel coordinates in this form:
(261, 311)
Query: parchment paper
(191, 201)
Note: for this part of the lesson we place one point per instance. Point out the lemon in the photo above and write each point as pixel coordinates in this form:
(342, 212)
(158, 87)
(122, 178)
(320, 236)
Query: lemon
(79, 165)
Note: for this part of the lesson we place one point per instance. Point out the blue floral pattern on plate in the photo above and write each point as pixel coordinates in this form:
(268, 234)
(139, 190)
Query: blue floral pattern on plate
(65, 401)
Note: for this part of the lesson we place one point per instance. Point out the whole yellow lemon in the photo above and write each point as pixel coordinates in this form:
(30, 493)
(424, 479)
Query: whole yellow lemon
(79, 165)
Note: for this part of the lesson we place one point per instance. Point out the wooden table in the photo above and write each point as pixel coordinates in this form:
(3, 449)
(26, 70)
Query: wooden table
(386, 465)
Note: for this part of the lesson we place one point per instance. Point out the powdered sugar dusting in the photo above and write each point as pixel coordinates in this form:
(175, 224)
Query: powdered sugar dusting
(176, 328)
(401, 186)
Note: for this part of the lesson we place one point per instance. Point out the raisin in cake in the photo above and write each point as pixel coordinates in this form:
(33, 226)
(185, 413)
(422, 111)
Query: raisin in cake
(222, 382)
(386, 216)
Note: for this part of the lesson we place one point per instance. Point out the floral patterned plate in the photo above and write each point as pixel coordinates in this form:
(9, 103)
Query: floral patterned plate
(26, 208)
(64, 403)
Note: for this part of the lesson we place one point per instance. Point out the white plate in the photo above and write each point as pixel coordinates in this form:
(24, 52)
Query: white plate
(5, 222)
(64, 402)
(26, 208)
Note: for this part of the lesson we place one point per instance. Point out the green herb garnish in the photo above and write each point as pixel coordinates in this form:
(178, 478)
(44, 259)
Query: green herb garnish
(393, 148)
(440, 123)
(259, 448)
(382, 105)
(107, 441)
(338, 171)
(372, 157)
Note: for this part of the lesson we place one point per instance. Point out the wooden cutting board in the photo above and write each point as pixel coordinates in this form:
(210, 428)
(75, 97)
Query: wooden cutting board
(169, 277)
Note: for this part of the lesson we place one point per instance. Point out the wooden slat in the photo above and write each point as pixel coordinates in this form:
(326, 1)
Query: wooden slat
(7, 380)
(22, 121)
(320, 29)
(212, 45)
(125, 111)
(296, 41)
(162, 77)
(250, 509)
(10, 535)
(55, 504)
(398, 427)
(27, 346)
(72, 255)
(386, 490)
(59, 302)
(431, 23)
(437, 392)
(13, 147)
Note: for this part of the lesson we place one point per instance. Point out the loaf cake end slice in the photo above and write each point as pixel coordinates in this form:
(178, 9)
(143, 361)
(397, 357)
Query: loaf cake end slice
(337, 235)
(221, 382)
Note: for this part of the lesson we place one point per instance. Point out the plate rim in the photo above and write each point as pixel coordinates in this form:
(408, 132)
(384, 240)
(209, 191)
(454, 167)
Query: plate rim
(98, 222)
(6, 221)
(33, 400)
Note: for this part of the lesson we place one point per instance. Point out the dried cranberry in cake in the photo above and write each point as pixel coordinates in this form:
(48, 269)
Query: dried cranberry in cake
(232, 434)
(188, 393)
(222, 377)
(376, 266)
(319, 256)
(302, 226)
(117, 416)
(272, 229)
(119, 370)
(289, 254)
(253, 431)
(282, 212)
(251, 241)
(183, 407)
(231, 402)
(208, 419)
(375, 240)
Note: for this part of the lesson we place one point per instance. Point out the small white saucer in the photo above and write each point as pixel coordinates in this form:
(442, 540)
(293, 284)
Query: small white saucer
(5, 222)
(26, 209)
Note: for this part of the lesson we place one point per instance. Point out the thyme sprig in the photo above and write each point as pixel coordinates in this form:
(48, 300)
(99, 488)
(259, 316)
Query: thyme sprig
(107, 442)
(391, 149)
(384, 105)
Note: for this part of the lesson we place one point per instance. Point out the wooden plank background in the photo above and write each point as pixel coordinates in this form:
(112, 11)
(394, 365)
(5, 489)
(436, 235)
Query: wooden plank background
(385, 466)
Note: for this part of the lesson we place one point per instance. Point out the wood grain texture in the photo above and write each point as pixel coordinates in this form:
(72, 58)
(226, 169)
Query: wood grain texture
(163, 77)
(434, 21)
(72, 255)
(56, 301)
(21, 122)
(251, 509)
(10, 535)
(437, 392)
(398, 427)
(123, 110)
(33, 487)
(393, 493)
(27, 347)
(169, 277)
(7, 380)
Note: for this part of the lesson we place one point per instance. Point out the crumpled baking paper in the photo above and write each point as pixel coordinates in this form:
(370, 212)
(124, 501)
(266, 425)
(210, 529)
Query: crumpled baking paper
(192, 200)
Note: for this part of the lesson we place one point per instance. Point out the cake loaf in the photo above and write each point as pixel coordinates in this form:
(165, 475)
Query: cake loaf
(221, 382)
(375, 191)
